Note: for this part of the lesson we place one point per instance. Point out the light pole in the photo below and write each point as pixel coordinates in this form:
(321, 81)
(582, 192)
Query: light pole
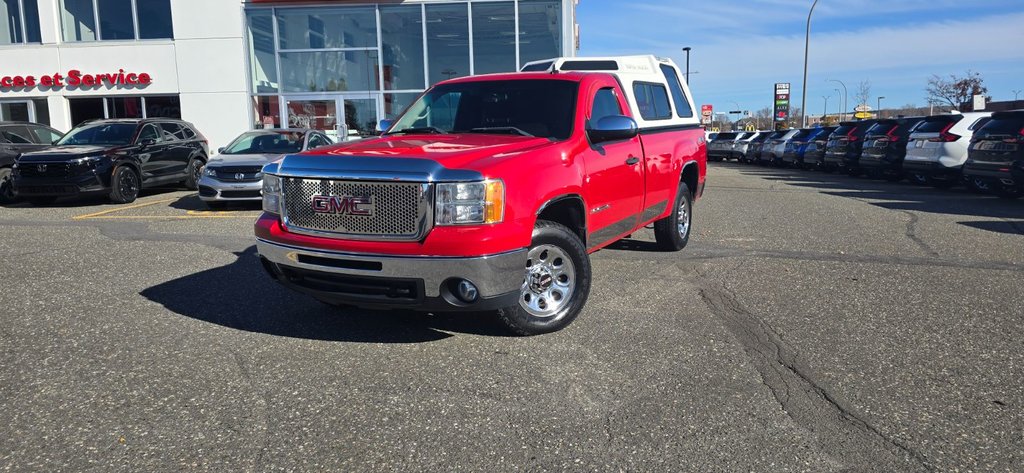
(825, 114)
(1016, 95)
(687, 49)
(880, 106)
(807, 52)
(842, 112)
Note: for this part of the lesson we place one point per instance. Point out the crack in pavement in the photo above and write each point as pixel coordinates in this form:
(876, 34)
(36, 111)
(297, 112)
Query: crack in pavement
(912, 233)
(838, 430)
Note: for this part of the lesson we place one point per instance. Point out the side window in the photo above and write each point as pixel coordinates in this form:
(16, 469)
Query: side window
(172, 132)
(606, 104)
(189, 133)
(18, 135)
(652, 100)
(149, 132)
(316, 141)
(45, 135)
(980, 123)
(683, 109)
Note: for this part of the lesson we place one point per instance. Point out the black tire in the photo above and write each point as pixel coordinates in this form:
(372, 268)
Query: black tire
(920, 179)
(978, 186)
(671, 233)
(41, 201)
(555, 237)
(124, 185)
(193, 172)
(6, 187)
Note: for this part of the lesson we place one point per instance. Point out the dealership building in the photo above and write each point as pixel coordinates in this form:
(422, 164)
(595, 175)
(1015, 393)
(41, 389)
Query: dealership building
(229, 66)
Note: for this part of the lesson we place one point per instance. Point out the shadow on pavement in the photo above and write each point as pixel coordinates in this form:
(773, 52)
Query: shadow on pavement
(89, 200)
(193, 202)
(1009, 226)
(242, 297)
(901, 196)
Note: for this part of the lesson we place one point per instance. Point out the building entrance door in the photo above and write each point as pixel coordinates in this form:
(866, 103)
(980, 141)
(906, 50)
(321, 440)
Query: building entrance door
(342, 118)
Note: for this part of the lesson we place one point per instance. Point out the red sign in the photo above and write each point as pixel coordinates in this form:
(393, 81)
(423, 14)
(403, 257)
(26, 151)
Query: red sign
(75, 78)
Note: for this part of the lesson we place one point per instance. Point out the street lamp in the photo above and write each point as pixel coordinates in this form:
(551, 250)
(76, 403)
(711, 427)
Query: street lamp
(807, 52)
(1016, 95)
(880, 106)
(687, 49)
(844, 108)
(825, 114)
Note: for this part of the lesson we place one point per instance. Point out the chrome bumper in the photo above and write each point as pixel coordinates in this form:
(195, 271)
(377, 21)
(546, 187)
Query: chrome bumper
(493, 275)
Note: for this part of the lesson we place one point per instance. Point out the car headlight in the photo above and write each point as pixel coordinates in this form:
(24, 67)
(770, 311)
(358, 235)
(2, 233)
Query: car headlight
(468, 203)
(209, 171)
(88, 161)
(272, 194)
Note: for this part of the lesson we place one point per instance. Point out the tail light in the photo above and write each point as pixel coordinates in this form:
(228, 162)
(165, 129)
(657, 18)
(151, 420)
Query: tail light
(945, 136)
(851, 136)
(1018, 139)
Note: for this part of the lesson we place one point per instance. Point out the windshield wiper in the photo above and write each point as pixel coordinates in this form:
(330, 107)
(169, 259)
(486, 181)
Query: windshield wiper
(421, 129)
(500, 129)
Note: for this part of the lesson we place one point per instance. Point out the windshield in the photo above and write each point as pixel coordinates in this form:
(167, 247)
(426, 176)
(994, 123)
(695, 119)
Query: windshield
(544, 108)
(804, 134)
(267, 142)
(1002, 125)
(100, 134)
(937, 123)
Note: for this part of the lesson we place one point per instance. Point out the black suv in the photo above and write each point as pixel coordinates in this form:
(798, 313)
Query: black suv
(885, 147)
(996, 155)
(17, 138)
(845, 145)
(113, 157)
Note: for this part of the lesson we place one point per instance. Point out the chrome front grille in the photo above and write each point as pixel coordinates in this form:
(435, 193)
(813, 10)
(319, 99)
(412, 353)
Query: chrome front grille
(400, 210)
(239, 174)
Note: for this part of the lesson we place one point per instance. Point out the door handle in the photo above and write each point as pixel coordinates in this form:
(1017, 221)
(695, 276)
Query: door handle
(632, 160)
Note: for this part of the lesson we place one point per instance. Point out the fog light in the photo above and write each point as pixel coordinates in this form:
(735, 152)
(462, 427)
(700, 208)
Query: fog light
(466, 291)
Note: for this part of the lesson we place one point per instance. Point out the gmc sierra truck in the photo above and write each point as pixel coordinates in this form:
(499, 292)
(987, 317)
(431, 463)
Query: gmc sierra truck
(489, 193)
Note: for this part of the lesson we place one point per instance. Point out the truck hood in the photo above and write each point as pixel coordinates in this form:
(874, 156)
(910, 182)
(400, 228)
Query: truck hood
(243, 159)
(64, 153)
(429, 158)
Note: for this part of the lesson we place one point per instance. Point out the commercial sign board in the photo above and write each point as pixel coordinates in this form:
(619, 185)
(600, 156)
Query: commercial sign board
(781, 101)
(75, 78)
(706, 113)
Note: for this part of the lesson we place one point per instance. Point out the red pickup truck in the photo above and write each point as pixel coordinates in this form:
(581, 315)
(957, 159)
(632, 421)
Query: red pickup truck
(490, 192)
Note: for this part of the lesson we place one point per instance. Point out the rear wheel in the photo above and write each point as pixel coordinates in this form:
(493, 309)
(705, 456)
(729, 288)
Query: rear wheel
(556, 283)
(978, 186)
(673, 232)
(192, 173)
(125, 185)
(6, 186)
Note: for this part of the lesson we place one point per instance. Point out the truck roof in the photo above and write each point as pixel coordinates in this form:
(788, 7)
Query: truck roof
(633, 73)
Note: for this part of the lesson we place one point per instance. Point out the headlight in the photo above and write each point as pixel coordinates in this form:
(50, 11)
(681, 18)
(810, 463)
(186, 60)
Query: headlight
(209, 171)
(272, 194)
(88, 161)
(468, 203)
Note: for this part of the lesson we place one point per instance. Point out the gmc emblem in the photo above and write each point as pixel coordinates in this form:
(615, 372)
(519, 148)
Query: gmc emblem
(360, 206)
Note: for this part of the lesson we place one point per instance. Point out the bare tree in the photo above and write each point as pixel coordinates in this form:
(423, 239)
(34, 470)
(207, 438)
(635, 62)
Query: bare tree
(863, 94)
(955, 91)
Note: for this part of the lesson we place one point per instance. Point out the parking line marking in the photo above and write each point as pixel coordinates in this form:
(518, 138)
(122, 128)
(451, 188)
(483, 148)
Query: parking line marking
(110, 211)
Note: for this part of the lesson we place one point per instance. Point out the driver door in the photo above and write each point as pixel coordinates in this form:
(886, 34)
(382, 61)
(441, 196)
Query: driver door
(151, 156)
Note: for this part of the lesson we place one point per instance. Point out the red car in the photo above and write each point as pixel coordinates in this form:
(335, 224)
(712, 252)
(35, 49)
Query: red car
(490, 192)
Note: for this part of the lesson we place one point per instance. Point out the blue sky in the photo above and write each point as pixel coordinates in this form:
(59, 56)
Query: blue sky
(741, 48)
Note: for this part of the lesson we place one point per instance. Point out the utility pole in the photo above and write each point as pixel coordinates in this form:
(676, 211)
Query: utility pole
(825, 114)
(687, 49)
(880, 107)
(1016, 95)
(807, 52)
(846, 104)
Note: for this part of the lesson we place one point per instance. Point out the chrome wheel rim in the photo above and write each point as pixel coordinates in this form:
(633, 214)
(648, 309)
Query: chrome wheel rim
(550, 281)
(981, 184)
(683, 215)
(127, 184)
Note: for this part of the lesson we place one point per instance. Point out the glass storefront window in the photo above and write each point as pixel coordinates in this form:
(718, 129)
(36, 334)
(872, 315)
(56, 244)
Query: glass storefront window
(447, 41)
(395, 104)
(83, 109)
(42, 111)
(154, 19)
(124, 107)
(268, 113)
(402, 37)
(12, 31)
(327, 28)
(329, 71)
(262, 59)
(361, 117)
(540, 30)
(166, 106)
(494, 37)
(79, 20)
(116, 20)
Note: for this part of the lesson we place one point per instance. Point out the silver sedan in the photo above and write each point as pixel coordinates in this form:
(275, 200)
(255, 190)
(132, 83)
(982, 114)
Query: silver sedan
(234, 175)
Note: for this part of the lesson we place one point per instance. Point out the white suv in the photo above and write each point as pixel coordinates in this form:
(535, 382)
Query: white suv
(937, 149)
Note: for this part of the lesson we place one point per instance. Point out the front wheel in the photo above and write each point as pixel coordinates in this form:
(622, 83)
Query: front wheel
(125, 185)
(556, 284)
(673, 232)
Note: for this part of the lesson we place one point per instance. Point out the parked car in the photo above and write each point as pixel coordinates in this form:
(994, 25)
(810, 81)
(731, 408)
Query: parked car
(17, 138)
(845, 145)
(721, 148)
(753, 151)
(996, 155)
(814, 150)
(114, 157)
(235, 174)
(481, 210)
(793, 153)
(937, 149)
(775, 146)
(742, 144)
(885, 147)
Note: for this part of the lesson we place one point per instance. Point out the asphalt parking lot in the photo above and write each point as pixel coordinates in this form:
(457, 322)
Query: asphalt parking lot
(815, 323)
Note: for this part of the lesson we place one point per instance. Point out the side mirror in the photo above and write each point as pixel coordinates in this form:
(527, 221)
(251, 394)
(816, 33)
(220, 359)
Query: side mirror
(384, 125)
(221, 150)
(146, 142)
(612, 128)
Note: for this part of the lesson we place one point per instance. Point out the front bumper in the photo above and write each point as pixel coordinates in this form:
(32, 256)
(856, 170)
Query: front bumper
(213, 190)
(396, 282)
(85, 184)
